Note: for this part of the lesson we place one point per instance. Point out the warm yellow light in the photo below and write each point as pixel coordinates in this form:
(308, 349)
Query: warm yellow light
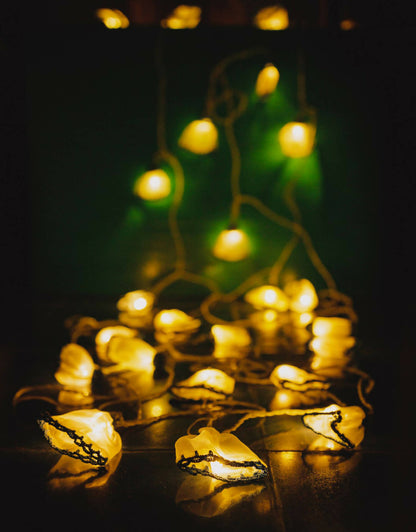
(333, 326)
(272, 18)
(348, 24)
(207, 384)
(301, 319)
(296, 379)
(200, 136)
(153, 185)
(183, 17)
(174, 320)
(104, 336)
(340, 427)
(267, 296)
(302, 295)
(331, 347)
(113, 19)
(231, 245)
(297, 139)
(129, 354)
(87, 434)
(219, 455)
(267, 80)
(76, 366)
(207, 497)
(230, 336)
(136, 303)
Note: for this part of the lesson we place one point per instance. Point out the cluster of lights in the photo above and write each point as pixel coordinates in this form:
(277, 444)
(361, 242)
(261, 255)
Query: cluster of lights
(186, 17)
(88, 437)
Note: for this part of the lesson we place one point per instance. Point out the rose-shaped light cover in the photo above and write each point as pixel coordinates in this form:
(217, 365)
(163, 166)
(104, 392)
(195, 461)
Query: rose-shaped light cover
(219, 455)
(206, 384)
(87, 435)
(296, 379)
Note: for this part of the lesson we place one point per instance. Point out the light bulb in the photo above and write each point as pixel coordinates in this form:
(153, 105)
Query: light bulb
(113, 19)
(153, 185)
(297, 139)
(267, 296)
(232, 245)
(267, 80)
(200, 136)
(183, 17)
(272, 18)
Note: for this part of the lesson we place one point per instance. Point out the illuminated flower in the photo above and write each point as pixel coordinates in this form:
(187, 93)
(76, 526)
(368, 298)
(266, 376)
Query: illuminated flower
(76, 366)
(302, 295)
(219, 455)
(267, 297)
(206, 384)
(171, 321)
(130, 354)
(296, 379)
(87, 435)
(104, 336)
(339, 427)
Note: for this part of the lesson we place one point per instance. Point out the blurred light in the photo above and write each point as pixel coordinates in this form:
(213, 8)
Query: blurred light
(175, 320)
(272, 18)
(183, 17)
(104, 336)
(130, 354)
(113, 19)
(267, 297)
(333, 326)
(296, 379)
(136, 303)
(200, 136)
(231, 245)
(206, 384)
(348, 24)
(76, 366)
(302, 295)
(297, 139)
(267, 80)
(153, 185)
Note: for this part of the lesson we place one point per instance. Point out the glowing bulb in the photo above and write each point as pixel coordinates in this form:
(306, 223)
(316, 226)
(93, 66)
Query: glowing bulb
(130, 354)
(230, 336)
(267, 296)
(104, 336)
(153, 185)
(200, 136)
(183, 17)
(272, 18)
(113, 19)
(302, 295)
(293, 378)
(218, 454)
(232, 245)
(297, 139)
(174, 320)
(206, 384)
(267, 80)
(87, 434)
(334, 326)
(136, 303)
(76, 366)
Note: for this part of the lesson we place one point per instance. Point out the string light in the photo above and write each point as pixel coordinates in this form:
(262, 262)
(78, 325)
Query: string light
(207, 384)
(297, 139)
(87, 435)
(293, 378)
(129, 354)
(200, 136)
(113, 19)
(153, 185)
(219, 455)
(76, 366)
(232, 245)
(183, 17)
(267, 297)
(267, 80)
(272, 18)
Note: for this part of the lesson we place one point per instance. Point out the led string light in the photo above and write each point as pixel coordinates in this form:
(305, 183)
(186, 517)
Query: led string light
(127, 363)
